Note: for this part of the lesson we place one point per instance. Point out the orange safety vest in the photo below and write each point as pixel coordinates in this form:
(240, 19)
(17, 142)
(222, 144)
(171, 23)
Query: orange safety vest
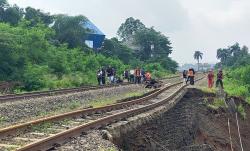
(190, 73)
(148, 76)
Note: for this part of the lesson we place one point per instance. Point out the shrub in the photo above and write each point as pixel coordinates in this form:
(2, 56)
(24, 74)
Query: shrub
(241, 110)
(217, 103)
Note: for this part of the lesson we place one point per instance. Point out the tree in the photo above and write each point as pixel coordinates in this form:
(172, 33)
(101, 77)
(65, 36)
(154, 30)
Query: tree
(148, 45)
(113, 47)
(12, 15)
(197, 56)
(223, 55)
(3, 3)
(37, 16)
(152, 45)
(70, 30)
(127, 30)
(235, 49)
(233, 55)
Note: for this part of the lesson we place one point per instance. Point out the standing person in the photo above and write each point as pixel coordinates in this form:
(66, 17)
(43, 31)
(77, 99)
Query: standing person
(132, 76)
(109, 74)
(126, 75)
(137, 75)
(113, 75)
(210, 78)
(184, 75)
(219, 79)
(191, 76)
(103, 76)
(99, 77)
(148, 76)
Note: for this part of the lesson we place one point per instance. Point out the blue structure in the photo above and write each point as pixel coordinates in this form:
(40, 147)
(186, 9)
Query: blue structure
(95, 37)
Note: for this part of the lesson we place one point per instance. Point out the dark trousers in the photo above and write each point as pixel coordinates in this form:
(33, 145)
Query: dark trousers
(99, 79)
(138, 79)
(131, 78)
(219, 81)
(190, 79)
(103, 80)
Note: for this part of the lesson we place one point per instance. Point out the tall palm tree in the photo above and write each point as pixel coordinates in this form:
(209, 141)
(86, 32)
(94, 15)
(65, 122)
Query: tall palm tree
(198, 56)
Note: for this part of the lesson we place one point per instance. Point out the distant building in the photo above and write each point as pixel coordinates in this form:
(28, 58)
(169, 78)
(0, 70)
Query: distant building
(95, 37)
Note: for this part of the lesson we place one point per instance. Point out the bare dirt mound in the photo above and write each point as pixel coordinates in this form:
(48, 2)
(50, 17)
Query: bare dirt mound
(189, 126)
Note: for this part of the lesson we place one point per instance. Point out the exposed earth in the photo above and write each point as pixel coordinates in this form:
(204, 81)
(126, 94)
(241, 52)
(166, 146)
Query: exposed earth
(189, 126)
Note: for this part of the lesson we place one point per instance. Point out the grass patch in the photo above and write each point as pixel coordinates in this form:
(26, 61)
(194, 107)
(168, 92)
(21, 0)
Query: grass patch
(248, 100)
(217, 103)
(43, 128)
(103, 102)
(74, 104)
(2, 119)
(242, 112)
(208, 90)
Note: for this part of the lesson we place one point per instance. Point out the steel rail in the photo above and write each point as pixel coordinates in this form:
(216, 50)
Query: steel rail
(28, 95)
(12, 97)
(16, 128)
(62, 137)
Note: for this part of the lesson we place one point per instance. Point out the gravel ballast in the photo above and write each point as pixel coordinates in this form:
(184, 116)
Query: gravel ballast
(92, 141)
(24, 109)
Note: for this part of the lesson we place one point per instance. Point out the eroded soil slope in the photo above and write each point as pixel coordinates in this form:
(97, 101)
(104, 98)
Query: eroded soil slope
(189, 126)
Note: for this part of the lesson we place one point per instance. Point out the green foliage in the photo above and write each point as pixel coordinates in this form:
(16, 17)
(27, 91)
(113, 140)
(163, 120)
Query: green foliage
(34, 77)
(208, 90)
(149, 45)
(43, 128)
(10, 14)
(27, 55)
(116, 49)
(153, 44)
(237, 81)
(241, 110)
(2, 119)
(198, 56)
(69, 29)
(156, 69)
(217, 103)
(36, 16)
(248, 100)
(129, 28)
(233, 56)
(42, 57)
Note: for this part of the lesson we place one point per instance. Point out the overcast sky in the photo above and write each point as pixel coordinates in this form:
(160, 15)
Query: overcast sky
(191, 25)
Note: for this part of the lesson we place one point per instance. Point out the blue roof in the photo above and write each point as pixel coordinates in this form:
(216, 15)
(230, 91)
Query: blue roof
(94, 30)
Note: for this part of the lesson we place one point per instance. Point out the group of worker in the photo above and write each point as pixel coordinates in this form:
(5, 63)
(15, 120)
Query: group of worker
(133, 76)
(188, 76)
(219, 81)
(102, 73)
(137, 75)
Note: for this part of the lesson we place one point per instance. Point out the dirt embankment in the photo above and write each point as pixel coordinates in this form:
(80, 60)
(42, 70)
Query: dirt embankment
(189, 126)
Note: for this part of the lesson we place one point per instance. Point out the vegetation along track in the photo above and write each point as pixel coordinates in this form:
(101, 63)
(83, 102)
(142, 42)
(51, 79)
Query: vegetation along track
(44, 133)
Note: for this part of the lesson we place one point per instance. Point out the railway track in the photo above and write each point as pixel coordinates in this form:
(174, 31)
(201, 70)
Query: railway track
(45, 133)
(14, 97)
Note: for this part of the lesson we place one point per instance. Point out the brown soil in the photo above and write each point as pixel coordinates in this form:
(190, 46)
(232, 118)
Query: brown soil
(189, 126)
